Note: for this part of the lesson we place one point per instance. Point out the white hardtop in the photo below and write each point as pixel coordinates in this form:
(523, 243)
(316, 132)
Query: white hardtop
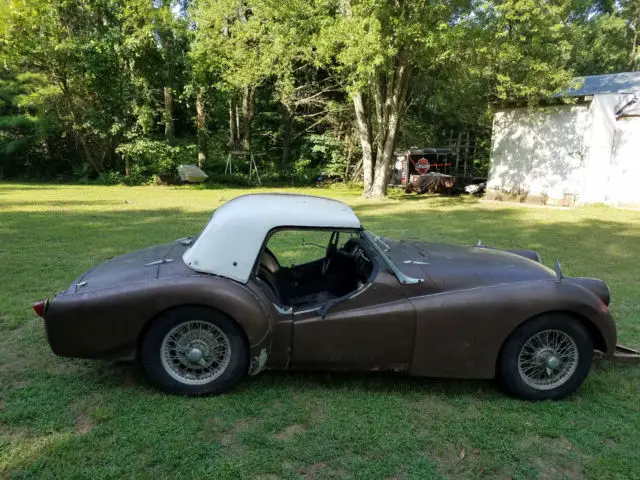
(229, 244)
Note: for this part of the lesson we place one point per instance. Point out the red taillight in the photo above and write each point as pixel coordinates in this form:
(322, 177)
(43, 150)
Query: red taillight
(603, 306)
(40, 307)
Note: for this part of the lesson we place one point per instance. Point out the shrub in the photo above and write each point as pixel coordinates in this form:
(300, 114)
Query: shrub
(147, 157)
(110, 178)
(322, 154)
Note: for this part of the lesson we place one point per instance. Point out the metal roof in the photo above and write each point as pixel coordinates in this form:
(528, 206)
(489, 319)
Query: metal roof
(229, 244)
(628, 82)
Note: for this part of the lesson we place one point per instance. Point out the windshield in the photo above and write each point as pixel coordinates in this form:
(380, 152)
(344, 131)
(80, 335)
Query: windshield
(380, 247)
(377, 240)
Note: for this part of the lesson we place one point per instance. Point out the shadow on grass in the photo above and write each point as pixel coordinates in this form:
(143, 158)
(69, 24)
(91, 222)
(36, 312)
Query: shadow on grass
(126, 375)
(130, 376)
(62, 203)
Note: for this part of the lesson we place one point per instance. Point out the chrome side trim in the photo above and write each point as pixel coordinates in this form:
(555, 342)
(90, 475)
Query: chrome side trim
(159, 262)
(282, 310)
(308, 310)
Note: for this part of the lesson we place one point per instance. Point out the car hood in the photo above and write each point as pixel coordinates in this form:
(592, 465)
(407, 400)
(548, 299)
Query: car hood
(452, 267)
(144, 265)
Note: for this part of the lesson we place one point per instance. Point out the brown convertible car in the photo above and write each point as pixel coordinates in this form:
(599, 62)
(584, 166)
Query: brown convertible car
(252, 292)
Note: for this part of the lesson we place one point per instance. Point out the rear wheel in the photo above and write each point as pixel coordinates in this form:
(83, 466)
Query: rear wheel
(194, 351)
(548, 357)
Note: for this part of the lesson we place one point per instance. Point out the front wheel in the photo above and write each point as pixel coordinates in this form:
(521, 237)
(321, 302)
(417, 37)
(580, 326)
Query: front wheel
(547, 357)
(194, 351)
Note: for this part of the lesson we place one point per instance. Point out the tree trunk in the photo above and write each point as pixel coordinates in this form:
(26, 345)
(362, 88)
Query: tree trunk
(394, 98)
(233, 144)
(285, 130)
(634, 49)
(248, 111)
(169, 122)
(201, 124)
(237, 139)
(383, 164)
(364, 131)
(87, 153)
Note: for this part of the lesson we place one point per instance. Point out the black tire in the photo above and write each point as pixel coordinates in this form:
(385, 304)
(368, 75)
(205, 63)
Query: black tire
(509, 373)
(152, 360)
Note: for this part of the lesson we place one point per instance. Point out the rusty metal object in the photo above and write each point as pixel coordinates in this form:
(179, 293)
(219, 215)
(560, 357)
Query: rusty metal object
(622, 354)
(431, 183)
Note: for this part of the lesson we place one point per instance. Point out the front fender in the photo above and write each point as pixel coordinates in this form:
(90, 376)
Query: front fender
(108, 323)
(460, 333)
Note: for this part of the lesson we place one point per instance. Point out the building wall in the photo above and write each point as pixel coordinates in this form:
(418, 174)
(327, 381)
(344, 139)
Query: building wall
(540, 152)
(624, 177)
(599, 149)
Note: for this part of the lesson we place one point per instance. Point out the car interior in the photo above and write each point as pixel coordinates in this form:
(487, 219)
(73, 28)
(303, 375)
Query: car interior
(339, 272)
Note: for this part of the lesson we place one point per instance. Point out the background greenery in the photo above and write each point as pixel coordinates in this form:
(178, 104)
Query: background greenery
(115, 90)
(69, 418)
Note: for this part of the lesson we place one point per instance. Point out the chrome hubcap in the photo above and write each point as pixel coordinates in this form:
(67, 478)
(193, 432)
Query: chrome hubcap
(195, 352)
(548, 359)
(194, 355)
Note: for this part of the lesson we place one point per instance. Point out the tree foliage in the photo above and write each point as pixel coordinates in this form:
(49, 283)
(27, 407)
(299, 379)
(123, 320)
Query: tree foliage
(139, 86)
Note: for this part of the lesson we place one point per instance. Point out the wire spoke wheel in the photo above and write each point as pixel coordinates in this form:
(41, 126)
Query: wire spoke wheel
(548, 359)
(195, 352)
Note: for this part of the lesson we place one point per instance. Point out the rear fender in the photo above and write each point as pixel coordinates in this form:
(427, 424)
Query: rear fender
(108, 323)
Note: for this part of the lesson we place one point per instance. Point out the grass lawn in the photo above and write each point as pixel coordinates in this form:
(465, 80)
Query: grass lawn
(66, 418)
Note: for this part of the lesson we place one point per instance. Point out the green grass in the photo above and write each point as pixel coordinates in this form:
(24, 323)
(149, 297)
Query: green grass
(66, 418)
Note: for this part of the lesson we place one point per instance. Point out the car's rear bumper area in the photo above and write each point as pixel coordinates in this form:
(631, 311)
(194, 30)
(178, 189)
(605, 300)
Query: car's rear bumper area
(72, 331)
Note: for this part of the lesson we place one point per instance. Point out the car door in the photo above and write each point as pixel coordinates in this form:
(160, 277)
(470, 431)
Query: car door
(373, 329)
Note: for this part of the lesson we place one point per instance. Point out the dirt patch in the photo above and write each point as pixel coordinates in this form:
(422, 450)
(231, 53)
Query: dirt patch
(317, 412)
(605, 443)
(320, 470)
(455, 460)
(84, 424)
(88, 412)
(434, 404)
(290, 432)
(552, 444)
(231, 437)
(558, 468)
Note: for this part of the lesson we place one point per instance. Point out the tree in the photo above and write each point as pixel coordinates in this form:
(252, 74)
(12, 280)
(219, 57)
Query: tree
(157, 42)
(630, 12)
(76, 47)
(89, 86)
(228, 45)
(384, 49)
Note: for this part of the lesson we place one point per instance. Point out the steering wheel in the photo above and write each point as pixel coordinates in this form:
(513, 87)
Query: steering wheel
(331, 249)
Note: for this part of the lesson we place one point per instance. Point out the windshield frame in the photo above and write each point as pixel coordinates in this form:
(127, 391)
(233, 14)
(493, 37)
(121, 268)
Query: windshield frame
(373, 240)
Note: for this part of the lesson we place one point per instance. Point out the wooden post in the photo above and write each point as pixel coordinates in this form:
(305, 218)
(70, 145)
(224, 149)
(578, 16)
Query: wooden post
(473, 153)
(466, 155)
(201, 124)
(232, 127)
(458, 151)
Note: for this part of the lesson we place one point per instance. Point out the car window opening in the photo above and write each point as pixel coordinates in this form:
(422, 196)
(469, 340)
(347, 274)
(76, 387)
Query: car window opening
(319, 279)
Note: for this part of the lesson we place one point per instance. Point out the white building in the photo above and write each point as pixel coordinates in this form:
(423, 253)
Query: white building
(588, 152)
